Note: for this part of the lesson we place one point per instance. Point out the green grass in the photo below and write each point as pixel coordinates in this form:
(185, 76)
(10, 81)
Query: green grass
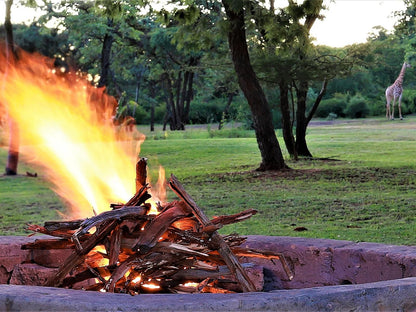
(363, 188)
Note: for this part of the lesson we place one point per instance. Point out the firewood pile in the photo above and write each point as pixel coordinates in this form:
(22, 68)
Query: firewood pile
(127, 250)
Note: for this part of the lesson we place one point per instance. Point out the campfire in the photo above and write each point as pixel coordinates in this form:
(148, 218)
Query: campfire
(176, 250)
(134, 241)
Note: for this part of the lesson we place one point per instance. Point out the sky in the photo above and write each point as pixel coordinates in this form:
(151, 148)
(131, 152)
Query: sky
(346, 21)
(350, 21)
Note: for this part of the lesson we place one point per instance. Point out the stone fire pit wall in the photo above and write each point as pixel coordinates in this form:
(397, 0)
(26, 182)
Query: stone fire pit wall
(354, 270)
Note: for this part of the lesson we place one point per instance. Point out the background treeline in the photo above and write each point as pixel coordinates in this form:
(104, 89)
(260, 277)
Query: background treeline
(163, 69)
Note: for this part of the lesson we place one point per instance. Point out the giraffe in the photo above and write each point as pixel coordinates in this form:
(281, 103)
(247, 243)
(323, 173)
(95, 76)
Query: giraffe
(394, 92)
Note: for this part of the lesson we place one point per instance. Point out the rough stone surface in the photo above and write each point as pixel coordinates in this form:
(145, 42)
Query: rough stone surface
(51, 258)
(31, 274)
(322, 262)
(397, 295)
(382, 278)
(11, 253)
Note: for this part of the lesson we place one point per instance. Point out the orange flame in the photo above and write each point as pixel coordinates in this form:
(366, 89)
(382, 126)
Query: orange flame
(66, 126)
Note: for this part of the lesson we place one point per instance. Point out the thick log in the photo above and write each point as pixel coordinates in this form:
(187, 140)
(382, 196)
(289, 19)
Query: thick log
(216, 241)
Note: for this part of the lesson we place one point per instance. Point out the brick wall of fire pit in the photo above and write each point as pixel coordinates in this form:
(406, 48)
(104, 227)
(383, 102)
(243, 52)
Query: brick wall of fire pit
(314, 262)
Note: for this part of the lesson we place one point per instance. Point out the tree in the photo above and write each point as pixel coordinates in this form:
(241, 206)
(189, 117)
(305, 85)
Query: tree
(286, 58)
(272, 158)
(12, 57)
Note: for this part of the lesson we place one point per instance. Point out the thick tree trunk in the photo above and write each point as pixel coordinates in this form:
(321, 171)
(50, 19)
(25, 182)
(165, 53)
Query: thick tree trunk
(271, 154)
(14, 136)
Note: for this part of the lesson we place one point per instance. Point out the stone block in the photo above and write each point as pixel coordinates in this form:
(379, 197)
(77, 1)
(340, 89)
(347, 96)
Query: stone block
(31, 274)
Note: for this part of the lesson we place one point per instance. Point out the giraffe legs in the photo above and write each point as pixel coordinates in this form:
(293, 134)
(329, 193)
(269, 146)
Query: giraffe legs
(392, 109)
(388, 109)
(400, 107)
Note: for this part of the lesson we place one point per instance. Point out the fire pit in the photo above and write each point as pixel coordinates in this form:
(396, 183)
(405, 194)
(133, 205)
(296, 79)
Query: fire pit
(328, 275)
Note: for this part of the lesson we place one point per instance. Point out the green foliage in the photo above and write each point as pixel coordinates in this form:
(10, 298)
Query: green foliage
(134, 110)
(335, 106)
(207, 111)
(357, 107)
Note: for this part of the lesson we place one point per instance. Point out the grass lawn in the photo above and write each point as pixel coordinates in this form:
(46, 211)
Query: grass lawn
(362, 189)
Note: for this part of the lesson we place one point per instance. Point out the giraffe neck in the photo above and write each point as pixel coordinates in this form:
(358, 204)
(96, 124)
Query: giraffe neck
(399, 80)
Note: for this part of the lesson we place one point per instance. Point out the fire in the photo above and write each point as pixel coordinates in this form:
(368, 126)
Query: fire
(66, 126)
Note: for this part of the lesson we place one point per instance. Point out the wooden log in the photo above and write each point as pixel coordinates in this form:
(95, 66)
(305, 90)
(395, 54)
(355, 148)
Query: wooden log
(141, 173)
(155, 228)
(114, 246)
(40, 229)
(245, 252)
(216, 241)
(47, 244)
(139, 198)
(118, 214)
(199, 274)
(63, 225)
(238, 217)
(79, 255)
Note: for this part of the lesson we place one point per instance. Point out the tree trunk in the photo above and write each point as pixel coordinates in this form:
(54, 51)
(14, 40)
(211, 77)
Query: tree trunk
(301, 124)
(152, 91)
(12, 57)
(287, 126)
(302, 120)
(105, 57)
(271, 154)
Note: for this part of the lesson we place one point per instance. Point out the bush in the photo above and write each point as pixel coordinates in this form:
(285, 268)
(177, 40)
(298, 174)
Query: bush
(357, 107)
(134, 110)
(202, 112)
(409, 100)
(377, 106)
(332, 106)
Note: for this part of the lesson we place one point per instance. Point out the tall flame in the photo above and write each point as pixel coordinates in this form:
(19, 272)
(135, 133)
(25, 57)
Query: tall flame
(66, 126)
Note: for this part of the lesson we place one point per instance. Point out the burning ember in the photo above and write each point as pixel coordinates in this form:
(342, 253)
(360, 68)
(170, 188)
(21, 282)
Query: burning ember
(129, 244)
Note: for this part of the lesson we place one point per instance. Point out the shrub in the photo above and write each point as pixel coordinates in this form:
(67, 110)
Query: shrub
(134, 110)
(203, 111)
(357, 107)
(332, 106)
(377, 106)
